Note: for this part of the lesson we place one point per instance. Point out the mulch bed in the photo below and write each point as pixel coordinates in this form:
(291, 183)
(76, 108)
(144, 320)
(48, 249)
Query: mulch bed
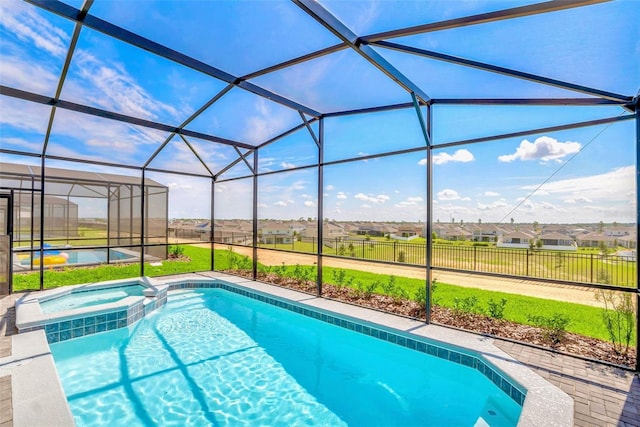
(571, 343)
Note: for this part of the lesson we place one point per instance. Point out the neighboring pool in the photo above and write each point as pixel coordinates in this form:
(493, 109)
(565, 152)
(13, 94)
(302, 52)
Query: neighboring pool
(213, 357)
(95, 256)
(69, 256)
(78, 299)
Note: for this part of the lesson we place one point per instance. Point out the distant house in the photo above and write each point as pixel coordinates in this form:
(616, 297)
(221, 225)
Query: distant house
(330, 231)
(376, 230)
(557, 242)
(407, 232)
(629, 241)
(516, 239)
(232, 231)
(486, 234)
(452, 232)
(619, 231)
(594, 240)
(276, 233)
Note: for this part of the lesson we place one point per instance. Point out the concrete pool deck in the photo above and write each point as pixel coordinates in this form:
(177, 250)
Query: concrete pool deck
(603, 395)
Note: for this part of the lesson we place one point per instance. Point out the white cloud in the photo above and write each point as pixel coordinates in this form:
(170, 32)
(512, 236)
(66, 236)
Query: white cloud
(448, 194)
(309, 203)
(380, 198)
(280, 203)
(306, 196)
(262, 205)
(502, 203)
(329, 187)
(41, 78)
(287, 165)
(27, 25)
(578, 200)
(411, 201)
(365, 206)
(264, 123)
(606, 187)
(23, 144)
(491, 194)
(25, 116)
(341, 195)
(109, 85)
(543, 148)
(461, 155)
(299, 185)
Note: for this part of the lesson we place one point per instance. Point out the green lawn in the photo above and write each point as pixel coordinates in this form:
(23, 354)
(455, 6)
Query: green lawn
(585, 320)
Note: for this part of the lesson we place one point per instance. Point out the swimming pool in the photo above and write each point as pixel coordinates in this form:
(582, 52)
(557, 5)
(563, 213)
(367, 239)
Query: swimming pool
(91, 297)
(95, 256)
(66, 255)
(213, 357)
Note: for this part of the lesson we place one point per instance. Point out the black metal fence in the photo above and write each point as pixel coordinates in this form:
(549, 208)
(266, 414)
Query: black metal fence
(543, 264)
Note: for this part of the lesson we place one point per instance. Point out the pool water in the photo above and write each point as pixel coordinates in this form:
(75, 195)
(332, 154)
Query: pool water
(90, 298)
(64, 256)
(95, 256)
(212, 357)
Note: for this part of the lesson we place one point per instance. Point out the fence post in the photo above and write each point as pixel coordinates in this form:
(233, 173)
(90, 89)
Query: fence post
(394, 251)
(475, 260)
(527, 262)
(591, 262)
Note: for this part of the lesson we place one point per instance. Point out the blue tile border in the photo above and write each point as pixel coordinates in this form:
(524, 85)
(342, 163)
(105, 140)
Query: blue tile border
(503, 383)
(93, 324)
(78, 327)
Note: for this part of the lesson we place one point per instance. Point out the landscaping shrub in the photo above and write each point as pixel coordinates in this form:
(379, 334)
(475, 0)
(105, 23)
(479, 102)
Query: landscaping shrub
(463, 306)
(618, 317)
(389, 287)
(554, 328)
(496, 308)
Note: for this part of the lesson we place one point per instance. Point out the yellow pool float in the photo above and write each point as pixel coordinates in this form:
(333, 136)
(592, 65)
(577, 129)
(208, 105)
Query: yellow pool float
(51, 260)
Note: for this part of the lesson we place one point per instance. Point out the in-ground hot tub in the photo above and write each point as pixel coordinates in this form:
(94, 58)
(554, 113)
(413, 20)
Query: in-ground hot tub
(75, 311)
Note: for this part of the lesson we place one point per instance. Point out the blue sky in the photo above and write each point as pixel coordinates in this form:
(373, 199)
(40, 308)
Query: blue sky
(588, 173)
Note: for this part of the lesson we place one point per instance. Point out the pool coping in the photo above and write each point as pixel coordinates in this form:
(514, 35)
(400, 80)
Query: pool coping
(38, 398)
(544, 403)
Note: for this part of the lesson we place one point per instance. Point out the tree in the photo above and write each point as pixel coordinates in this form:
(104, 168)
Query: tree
(604, 249)
(601, 226)
(535, 225)
(352, 250)
(539, 244)
(559, 259)
(479, 220)
(512, 221)
(462, 222)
